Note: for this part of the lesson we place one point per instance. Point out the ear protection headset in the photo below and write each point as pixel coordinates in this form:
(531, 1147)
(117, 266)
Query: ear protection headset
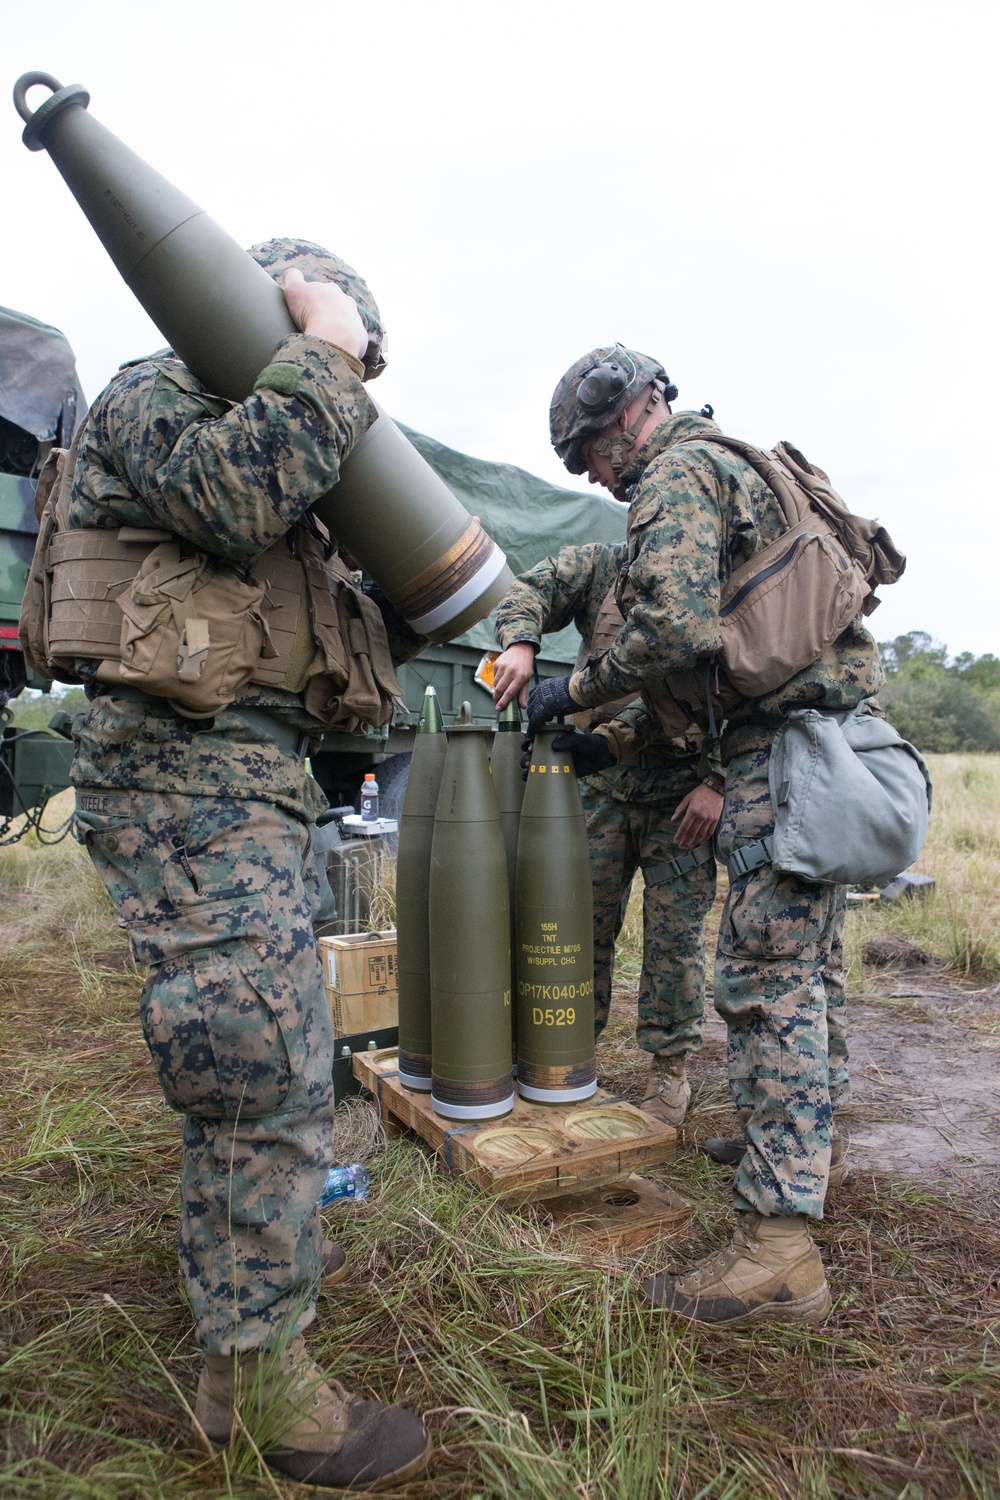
(604, 383)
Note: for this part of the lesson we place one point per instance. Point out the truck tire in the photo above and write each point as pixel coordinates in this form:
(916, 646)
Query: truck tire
(392, 776)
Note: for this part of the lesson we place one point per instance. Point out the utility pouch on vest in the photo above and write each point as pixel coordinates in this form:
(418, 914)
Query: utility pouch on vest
(851, 799)
(353, 682)
(192, 630)
(51, 504)
(173, 621)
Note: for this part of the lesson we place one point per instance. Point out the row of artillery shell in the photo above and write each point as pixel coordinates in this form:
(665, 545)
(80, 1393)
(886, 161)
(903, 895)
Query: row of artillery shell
(489, 867)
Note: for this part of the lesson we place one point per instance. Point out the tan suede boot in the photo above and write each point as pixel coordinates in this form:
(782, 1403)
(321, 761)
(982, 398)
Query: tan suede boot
(770, 1270)
(307, 1426)
(336, 1266)
(668, 1092)
(728, 1151)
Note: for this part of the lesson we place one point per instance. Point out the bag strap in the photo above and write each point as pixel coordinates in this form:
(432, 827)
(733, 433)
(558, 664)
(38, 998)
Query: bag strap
(750, 857)
(790, 494)
(683, 864)
(801, 489)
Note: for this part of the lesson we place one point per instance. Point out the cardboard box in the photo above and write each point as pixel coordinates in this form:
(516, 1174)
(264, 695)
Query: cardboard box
(359, 972)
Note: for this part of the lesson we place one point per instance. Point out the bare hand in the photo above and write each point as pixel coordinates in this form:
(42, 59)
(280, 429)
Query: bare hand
(699, 813)
(322, 309)
(512, 671)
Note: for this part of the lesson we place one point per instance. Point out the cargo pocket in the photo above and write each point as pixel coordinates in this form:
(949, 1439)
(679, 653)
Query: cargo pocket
(771, 916)
(218, 1045)
(216, 888)
(112, 827)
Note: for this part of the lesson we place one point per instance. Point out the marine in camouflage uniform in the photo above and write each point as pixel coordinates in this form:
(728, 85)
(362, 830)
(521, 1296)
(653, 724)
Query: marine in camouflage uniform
(696, 512)
(200, 830)
(629, 812)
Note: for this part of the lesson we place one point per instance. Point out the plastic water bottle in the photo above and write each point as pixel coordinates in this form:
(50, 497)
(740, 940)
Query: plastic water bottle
(369, 798)
(345, 1182)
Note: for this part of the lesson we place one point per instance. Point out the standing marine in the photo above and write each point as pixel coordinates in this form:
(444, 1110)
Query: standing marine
(193, 513)
(699, 509)
(657, 812)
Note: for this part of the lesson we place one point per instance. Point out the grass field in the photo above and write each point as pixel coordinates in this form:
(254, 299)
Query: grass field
(540, 1374)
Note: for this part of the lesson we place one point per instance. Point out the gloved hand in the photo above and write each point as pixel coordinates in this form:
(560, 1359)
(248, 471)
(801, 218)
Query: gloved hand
(591, 752)
(547, 700)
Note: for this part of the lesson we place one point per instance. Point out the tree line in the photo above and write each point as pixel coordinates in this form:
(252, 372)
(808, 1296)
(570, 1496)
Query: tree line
(937, 704)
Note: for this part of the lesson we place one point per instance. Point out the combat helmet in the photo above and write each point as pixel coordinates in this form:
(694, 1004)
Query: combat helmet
(595, 391)
(317, 264)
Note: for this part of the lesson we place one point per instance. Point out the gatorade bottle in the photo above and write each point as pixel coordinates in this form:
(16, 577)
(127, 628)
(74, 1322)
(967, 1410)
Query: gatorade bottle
(369, 798)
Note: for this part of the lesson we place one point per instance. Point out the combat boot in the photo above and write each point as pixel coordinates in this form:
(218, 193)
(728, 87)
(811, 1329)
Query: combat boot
(335, 1265)
(728, 1151)
(307, 1426)
(668, 1092)
(770, 1271)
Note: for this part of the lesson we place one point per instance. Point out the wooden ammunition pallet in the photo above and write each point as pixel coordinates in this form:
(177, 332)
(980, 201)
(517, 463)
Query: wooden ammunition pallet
(620, 1215)
(538, 1150)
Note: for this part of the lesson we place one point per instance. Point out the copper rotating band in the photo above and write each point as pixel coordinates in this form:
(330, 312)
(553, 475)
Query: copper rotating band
(491, 1091)
(436, 584)
(416, 1064)
(567, 1076)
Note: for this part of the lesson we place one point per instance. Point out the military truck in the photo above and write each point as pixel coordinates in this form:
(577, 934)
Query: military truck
(40, 404)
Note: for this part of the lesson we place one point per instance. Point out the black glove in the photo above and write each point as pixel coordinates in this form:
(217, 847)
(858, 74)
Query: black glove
(549, 699)
(591, 752)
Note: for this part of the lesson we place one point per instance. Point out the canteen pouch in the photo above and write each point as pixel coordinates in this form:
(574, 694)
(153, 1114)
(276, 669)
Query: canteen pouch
(851, 798)
(192, 631)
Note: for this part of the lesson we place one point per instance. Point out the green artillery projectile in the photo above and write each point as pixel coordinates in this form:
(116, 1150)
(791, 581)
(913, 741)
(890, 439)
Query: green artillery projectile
(554, 958)
(469, 938)
(413, 868)
(505, 764)
(225, 317)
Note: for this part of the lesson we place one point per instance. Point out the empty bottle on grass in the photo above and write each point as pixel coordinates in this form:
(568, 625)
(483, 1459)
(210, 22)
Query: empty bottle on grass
(345, 1182)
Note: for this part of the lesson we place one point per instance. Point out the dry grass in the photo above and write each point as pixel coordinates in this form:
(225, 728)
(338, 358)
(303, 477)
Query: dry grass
(541, 1375)
(959, 922)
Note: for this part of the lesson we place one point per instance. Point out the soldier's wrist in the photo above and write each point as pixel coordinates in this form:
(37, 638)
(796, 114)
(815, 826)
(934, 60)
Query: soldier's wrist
(316, 355)
(506, 641)
(715, 782)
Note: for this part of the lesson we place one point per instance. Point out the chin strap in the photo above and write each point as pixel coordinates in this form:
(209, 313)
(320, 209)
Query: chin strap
(619, 448)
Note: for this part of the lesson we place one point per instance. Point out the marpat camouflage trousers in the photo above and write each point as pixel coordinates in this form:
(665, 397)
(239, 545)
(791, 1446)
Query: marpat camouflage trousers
(217, 894)
(779, 986)
(625, 837)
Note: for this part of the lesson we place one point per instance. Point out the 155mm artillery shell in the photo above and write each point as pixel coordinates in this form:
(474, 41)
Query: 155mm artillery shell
(505, 764)
(554, 958)
(469, 938)
(225, 316)
(413, 869)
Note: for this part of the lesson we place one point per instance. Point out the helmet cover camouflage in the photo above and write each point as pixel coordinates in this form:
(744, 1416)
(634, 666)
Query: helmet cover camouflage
(317, 264)
(571, 423)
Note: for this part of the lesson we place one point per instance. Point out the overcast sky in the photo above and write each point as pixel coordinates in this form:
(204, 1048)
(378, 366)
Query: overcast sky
(792, 205)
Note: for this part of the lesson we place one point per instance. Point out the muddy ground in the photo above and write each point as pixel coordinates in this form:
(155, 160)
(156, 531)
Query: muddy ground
(925, 1072)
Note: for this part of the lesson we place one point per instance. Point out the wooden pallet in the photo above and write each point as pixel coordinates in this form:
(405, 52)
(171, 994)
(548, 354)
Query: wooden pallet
(620, 1215)
(538, 1150)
